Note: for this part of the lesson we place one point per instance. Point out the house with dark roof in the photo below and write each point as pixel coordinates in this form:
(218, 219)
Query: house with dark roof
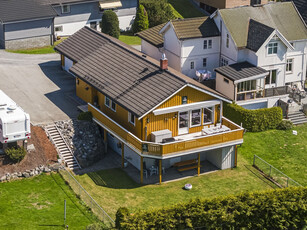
(261, 35)
(152, 115)
(301, 7)
(25, 24)
(36, 23)
(190, 44)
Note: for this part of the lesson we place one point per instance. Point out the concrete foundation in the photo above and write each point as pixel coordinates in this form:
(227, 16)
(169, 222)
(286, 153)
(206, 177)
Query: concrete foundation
(28, 43)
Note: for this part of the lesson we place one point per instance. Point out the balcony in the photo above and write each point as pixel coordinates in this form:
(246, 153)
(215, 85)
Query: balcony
(192, 142)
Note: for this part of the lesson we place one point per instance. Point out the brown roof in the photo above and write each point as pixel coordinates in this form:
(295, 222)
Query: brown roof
(187, 28)
(152, 35)
(131, 79)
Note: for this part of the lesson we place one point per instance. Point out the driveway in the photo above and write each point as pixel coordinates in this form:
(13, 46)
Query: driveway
(38, 84)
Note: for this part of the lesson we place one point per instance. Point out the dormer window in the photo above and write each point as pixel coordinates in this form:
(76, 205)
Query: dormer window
(272, 48)
(65, 9)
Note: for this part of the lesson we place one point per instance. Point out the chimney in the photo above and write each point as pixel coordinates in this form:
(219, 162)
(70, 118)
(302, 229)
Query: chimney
(163, 62)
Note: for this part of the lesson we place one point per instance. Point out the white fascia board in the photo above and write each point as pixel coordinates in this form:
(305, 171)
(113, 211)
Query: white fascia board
(162, 102)
(186, 107)
(165, 27)
(209, 93)
(214, 14)
(252, 78)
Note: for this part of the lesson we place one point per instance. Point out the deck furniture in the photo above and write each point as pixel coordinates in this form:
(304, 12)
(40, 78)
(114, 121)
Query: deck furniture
(186, 165)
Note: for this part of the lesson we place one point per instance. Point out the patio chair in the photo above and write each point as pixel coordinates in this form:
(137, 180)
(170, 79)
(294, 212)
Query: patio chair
(153, 170)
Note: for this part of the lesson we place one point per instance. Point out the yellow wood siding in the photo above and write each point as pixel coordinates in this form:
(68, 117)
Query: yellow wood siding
(170, 121)
(120, 116)
(85, 91)
(62, 60)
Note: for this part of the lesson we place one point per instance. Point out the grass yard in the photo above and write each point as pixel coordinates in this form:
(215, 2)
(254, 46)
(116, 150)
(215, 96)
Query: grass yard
(281, 149)
(185, 8)
(38, 203)
(42, 50)
(113, 188)
(130, 39)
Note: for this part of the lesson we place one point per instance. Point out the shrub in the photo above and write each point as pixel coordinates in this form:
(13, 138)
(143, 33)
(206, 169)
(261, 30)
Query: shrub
(109, 24)
(141, 20)
(85, 116)
(254, 120)
(159, 11)
(121, 215)
(96, 226)
(16, 154)
(285, 125)
(274, 209)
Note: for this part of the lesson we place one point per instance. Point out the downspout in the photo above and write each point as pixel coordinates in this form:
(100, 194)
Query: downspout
(220, 42)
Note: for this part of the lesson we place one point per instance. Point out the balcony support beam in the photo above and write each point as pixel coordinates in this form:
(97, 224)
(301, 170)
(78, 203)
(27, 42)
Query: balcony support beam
(198, 164)
(236, 155)
(160, 171)
(105, 138)
(142, 170)
(123, 153)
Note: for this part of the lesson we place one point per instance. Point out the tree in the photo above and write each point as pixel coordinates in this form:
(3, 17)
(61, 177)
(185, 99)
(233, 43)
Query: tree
(141, 20)
(159, 11)
(109, 24)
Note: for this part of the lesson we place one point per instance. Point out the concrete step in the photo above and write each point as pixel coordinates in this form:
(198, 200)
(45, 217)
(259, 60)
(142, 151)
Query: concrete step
(297, 118)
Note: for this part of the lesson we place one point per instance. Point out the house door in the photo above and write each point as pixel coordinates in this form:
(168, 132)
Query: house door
(183, 122)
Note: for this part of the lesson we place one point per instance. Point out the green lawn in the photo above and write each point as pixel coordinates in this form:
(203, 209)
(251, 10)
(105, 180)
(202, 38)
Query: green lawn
(185, 8)
(130, 39)
(42, 50)
(281, 149)
(113, 188)
(38, 203)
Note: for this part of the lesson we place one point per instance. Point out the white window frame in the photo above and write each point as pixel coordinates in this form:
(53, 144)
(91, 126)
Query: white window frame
(207, 44)
(68, 9)
(272, 46)
(270, 77)
(289, 64)
(224, 62)
(205, 60)
(113, 103)
(210, 44)
(129, 118)
(106, 98)
(192, 65)
(200, 117)
(213, 115)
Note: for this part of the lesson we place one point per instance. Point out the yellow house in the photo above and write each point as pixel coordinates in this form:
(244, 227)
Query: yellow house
(152, 115)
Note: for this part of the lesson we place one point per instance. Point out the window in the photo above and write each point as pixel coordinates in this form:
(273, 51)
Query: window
(208, 115)
(65, 9)
(289, 66)
(113, 106)
(224, 62)
(131, 118)
(208, 44)
(184, 100)
(107, 101)
(204, 62)
(195, 117)
(93, 25)
(226, 80)
(227, 40)
(192, 65)
(58, 29)
(271, 78)
(272, 48)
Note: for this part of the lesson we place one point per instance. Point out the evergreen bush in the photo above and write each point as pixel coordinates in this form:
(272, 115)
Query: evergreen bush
(85, 116)
(110, 24)
(141, 20)
(274, 209)
(16, 154)
(121, 215)
(254, 120)
(285, 125)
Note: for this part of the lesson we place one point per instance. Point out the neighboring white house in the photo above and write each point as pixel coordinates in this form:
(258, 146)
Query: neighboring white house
(263, 36)
(189, 44)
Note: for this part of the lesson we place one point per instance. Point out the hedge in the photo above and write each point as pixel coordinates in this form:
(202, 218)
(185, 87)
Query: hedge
(274, 209)
(141, 20)
(254, 120)
(109, 24)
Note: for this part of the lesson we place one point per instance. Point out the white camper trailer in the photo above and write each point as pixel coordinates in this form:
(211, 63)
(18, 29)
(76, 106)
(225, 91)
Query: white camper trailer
(14, 122)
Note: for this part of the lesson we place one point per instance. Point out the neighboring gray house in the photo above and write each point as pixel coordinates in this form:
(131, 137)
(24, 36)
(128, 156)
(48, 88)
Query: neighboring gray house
(25, 24)
(75, 14)
(35, 23)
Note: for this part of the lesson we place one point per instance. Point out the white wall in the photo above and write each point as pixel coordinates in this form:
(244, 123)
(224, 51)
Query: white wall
(150, 50)
(228, 157)
(171, 42)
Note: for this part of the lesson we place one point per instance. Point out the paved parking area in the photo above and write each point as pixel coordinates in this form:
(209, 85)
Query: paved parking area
(39, 86)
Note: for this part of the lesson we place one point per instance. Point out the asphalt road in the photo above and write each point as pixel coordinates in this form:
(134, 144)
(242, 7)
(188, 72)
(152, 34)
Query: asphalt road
(39, 85)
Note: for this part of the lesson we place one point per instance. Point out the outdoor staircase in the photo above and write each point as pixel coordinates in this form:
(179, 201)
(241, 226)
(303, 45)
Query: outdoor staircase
(297, 118)
(62, 147)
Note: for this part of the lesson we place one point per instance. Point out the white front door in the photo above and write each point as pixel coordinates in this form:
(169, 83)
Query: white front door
(183, 122)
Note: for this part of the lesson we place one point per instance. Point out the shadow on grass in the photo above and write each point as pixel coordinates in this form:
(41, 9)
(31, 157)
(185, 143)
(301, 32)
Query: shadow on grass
(113, 178)
(259, 176)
